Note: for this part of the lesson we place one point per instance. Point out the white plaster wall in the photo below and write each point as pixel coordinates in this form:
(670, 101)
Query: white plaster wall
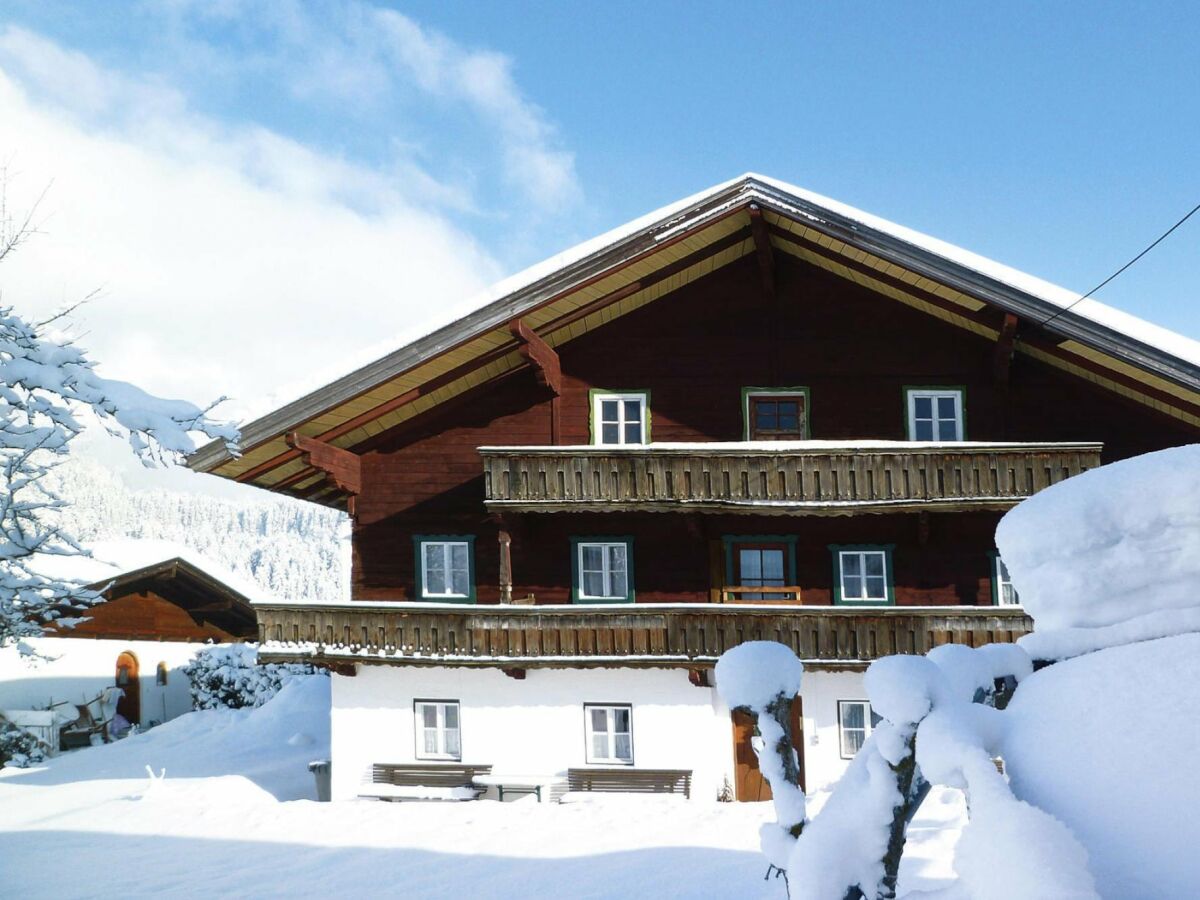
(536, 726)
(78, 669)
(821, 691)
(530, 727)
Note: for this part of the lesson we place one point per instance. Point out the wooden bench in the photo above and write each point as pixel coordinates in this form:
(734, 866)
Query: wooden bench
(387, 780)
(643, 781)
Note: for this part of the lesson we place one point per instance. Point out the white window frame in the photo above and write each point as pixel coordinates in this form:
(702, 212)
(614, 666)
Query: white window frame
(606, 570)
(440, 729)
(599, 397)
(1003, 580)
(610, 710)
(863, 554)
(936, 394)
(842, 729)
(447, 555)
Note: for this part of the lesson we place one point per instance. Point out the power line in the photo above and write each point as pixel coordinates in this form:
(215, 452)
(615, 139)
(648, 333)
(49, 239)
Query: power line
(1158, 241)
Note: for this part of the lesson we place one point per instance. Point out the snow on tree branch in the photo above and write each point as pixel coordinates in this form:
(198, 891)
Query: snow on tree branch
(46, 381)
(762, 678)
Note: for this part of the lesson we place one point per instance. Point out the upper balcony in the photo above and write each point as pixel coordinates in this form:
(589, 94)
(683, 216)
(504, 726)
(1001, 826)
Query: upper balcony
(786, 478)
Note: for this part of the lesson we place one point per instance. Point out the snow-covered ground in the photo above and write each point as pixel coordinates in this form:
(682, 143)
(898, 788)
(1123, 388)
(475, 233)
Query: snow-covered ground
(234, 816)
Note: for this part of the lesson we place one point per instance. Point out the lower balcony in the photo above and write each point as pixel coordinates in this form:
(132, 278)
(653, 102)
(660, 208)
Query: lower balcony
(647, 635)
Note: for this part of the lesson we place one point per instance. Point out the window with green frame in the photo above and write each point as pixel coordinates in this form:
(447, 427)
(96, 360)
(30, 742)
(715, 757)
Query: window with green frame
(444, 567)
(863, 575)
(602, 569)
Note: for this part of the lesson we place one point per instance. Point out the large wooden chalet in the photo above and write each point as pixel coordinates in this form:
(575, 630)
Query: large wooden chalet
(754, 414)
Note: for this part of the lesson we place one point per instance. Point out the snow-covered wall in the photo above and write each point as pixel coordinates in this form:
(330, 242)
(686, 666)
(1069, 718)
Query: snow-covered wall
(535, 726)
(78, 669)
(821, 691)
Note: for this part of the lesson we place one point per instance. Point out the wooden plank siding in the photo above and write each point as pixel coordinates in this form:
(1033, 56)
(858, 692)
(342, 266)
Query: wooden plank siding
(680, 636)
(694, 350)
(801, 479)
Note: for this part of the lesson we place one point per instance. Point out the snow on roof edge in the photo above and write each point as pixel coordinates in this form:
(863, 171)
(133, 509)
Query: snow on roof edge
(110, 560)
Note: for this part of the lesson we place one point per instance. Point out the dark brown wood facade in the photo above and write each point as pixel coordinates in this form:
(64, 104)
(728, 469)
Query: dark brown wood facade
(694, 351)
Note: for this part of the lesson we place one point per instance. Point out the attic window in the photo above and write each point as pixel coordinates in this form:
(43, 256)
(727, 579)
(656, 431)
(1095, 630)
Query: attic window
(935, 414)
(620, 417)
(775, 414)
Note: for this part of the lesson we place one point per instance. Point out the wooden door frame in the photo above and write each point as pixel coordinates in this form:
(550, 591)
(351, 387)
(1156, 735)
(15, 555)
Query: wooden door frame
(131, 701)
(797, 722)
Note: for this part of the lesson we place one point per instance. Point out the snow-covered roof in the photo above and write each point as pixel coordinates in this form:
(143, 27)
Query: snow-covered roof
(110, 560)
(1130, 341)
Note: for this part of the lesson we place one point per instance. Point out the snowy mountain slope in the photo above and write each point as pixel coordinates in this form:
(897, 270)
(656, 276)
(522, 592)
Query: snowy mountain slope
(294, 551)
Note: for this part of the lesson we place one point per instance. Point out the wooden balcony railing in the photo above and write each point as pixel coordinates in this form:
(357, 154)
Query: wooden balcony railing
(759, 594)
(818, 477)
(688, 636)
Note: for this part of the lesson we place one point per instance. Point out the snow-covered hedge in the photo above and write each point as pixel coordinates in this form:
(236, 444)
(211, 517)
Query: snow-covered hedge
(18, 747)
(228, 675)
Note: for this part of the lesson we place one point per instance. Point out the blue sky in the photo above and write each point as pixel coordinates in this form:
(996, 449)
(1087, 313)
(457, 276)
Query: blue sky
(1059, 138)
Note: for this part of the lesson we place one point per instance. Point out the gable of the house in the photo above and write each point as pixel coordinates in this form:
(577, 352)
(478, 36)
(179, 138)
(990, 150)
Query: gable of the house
(729, 285)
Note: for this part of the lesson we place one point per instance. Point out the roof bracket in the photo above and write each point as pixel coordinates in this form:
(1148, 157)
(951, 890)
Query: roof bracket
(762, 247)
(1002, 360)
(539, 354)
(343, 467)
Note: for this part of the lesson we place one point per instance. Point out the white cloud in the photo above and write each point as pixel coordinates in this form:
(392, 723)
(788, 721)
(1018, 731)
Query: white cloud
(364, 56)
(233, 259)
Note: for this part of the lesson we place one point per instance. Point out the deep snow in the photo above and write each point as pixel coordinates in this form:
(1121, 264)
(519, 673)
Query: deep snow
(1107, 742)
(226, 821)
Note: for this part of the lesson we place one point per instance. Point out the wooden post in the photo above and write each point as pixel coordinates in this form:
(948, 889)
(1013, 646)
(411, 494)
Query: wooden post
(505, 565)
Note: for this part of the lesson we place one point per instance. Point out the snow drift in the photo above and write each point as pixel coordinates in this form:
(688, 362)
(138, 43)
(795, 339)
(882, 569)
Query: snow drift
(1108, 545)
(1107, 742)
(270, 745)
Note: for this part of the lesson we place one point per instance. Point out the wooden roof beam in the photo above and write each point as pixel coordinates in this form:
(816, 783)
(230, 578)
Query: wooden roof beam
(343, 467)
(538, 354)
(668, 271)
(1005, 342)
(763, 250)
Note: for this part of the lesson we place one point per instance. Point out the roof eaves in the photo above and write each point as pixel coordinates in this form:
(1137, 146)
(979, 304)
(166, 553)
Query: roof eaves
(1012, 299)
(492, 315)
(748, 188)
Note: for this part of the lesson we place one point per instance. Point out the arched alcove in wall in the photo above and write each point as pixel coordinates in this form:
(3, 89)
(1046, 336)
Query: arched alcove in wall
(126, 678)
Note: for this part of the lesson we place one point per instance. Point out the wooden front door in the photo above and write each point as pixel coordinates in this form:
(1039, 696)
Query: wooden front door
(126, 678)
(750, 783)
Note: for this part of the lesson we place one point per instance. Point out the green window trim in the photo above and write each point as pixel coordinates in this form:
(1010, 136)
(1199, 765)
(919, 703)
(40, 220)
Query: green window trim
(627, 540)
(593, 430)
(889, 573)
(419, 566)
(730, 541)
(908, 389)
(748, 392)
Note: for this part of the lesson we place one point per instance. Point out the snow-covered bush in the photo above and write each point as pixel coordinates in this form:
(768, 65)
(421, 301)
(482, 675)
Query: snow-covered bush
(228, 675)
(18, 747)
(762, 678)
